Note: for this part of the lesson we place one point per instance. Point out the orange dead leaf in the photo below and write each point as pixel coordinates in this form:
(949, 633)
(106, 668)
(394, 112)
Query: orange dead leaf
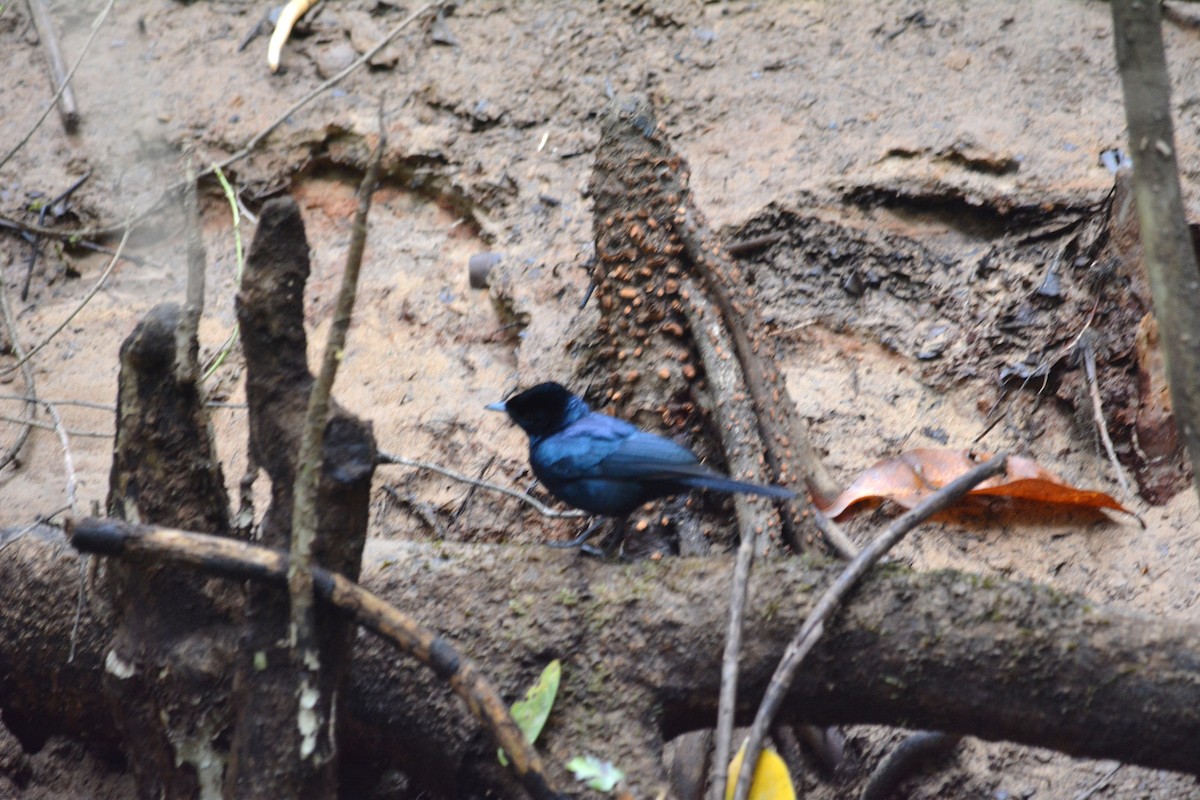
(910, 477)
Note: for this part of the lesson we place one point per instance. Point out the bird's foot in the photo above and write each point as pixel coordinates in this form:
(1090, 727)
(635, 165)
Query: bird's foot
(580, 540)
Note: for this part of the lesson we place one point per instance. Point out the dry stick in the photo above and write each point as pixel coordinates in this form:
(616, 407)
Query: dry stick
(109, 406)
(187, 335)
(68, 461)
(10, 323)
(1089, 366)
(813, 472)
(87, 298)
(1170, 257)
(726, 380)
(543, 509)
(727, 696)
(814, 625)
(66, 82)
(47, 426)
(834, 534)
(247, 149)
(233, 559)
(68, 109)
(31, 398)
(308, 462)
(1100, 783)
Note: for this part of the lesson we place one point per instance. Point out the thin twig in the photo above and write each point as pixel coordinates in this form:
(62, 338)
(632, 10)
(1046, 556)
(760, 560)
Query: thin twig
(87, 298)
(834, 534)
(470, 495)
(108, 406)
(814, 625)
(308, 462)
(537, 505)
(27, 398)
(187, 335)
(68, 461)
(47, 426)
(727, 694)
(1089, 367)
(103, 15)
(1102, 782)
(737, 426)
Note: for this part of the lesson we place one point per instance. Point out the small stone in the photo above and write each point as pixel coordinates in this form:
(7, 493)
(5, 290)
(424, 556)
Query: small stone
(479, 267)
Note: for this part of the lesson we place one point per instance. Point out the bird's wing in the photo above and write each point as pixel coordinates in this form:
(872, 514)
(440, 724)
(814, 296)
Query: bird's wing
(645, 456)
(578, 450)
(600, 446)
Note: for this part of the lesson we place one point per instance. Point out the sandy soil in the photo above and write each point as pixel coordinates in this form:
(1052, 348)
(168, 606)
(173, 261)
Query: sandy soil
(925, 164)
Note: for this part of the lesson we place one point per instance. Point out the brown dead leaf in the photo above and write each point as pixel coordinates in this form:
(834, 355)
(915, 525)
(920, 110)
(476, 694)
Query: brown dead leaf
(910, 477)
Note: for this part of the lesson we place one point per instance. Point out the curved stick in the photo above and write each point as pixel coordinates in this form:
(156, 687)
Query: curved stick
(233, 559)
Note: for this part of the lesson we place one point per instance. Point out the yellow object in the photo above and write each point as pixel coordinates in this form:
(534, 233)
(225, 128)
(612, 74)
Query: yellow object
(771, 778)
(288, 17)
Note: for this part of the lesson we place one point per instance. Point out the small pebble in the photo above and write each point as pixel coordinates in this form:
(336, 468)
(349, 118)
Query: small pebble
(479, 267)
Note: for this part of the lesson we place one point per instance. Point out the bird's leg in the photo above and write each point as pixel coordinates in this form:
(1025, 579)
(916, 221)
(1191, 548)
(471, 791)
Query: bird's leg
(582, 538)
(612, 543)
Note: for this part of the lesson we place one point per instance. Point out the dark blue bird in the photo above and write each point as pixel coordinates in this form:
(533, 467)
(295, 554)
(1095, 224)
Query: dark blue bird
(604, 465)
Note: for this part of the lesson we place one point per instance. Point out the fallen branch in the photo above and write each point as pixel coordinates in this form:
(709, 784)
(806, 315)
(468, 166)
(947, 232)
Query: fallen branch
(232, 559)
(642, 647)
(68, 109)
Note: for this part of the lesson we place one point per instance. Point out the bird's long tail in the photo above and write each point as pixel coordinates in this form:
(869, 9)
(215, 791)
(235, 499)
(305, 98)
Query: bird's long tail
(720, 483)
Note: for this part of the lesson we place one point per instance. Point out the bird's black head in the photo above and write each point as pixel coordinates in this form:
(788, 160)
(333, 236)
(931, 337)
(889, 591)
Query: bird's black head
(544, 409)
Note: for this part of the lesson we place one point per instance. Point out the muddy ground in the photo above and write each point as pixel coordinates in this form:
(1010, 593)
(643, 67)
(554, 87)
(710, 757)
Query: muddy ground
(928, 168)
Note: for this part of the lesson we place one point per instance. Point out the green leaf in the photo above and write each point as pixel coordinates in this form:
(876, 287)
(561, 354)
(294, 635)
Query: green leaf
(603, 776)
(531, 713)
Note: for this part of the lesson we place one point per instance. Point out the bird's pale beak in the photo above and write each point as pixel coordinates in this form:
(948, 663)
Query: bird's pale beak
(496, 406)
